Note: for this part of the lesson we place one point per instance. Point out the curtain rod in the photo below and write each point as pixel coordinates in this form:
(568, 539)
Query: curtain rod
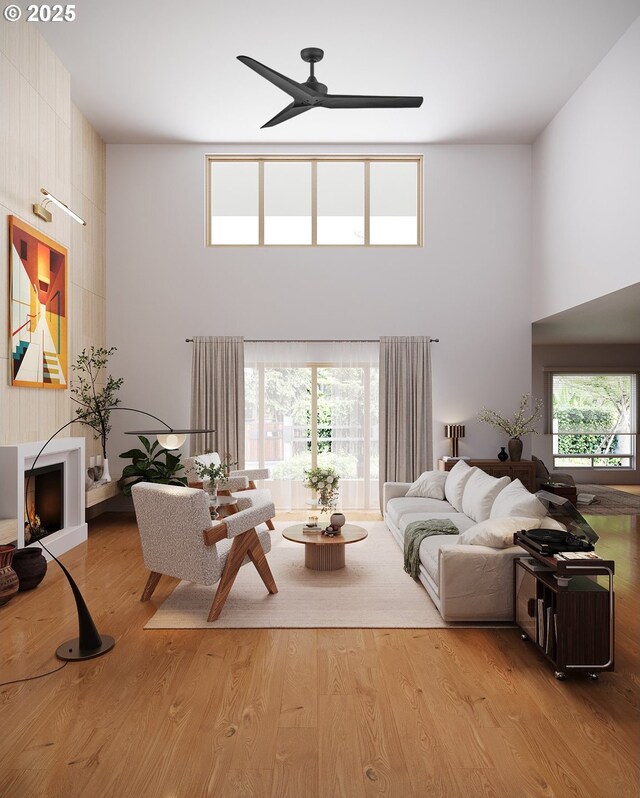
(313, 341)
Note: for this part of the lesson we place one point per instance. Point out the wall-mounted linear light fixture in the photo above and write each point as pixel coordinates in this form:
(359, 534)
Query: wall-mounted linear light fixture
(44, 213)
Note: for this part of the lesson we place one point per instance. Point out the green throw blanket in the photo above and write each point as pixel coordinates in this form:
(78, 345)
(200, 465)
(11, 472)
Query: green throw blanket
(415, 533)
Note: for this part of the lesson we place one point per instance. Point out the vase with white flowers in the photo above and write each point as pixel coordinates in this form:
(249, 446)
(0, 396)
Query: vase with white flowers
(523, 422)
(323, 480)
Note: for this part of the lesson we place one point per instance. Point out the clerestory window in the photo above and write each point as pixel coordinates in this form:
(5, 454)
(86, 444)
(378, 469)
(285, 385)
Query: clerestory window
(314, 201)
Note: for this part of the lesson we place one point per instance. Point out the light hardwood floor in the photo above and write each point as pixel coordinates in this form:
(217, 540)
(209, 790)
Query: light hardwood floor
(303, 713)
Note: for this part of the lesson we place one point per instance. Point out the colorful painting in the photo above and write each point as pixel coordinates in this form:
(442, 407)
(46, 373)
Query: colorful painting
(39, 306)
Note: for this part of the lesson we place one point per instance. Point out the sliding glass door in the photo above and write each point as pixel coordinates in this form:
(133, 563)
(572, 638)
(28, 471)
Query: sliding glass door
(313, 404)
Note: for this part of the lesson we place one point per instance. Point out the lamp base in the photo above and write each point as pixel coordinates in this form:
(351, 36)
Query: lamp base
(72, 652)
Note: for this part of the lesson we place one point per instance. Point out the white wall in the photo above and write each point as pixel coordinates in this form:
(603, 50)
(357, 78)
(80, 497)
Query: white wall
(469, 285)
(586, 207)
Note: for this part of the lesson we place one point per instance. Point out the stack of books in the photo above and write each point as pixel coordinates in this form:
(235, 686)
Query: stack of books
(577, 555)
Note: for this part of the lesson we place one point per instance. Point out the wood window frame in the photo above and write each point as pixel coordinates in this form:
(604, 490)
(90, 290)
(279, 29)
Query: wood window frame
(313, 160)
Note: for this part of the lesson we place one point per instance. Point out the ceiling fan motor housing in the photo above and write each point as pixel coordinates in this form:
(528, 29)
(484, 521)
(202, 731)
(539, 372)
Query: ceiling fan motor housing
(312, 55)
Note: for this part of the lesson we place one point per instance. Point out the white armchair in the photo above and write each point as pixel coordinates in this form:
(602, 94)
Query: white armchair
(179, 540)
(241, 484)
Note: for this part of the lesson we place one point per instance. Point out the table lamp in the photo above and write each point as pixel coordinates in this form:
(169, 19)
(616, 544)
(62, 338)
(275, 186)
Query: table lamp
(454, 431)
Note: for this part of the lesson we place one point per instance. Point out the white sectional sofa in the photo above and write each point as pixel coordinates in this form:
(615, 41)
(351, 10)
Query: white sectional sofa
(467, 581)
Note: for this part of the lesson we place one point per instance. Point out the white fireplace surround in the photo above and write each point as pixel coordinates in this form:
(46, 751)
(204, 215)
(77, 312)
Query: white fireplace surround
(16, 460)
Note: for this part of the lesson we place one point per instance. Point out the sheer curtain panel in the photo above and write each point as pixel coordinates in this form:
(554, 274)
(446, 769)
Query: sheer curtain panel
(217, 395)
(405, 409)
(313, 404)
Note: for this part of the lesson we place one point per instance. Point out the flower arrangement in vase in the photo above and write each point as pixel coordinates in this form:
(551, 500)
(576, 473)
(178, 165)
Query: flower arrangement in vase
(323, 480)
(522, 423)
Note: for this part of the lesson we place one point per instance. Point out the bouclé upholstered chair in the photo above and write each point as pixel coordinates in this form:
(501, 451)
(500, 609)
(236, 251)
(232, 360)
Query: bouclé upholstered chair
(179, 539)
(241, 484)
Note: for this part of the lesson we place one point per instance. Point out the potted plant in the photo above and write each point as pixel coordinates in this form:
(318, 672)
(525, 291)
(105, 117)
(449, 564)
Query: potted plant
(215, 474)
(323, 480)
(522, 423)
(95, 396)
(150, 465)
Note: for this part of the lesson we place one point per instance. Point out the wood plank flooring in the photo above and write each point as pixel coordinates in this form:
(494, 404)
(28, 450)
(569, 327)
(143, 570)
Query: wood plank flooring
(303, 712)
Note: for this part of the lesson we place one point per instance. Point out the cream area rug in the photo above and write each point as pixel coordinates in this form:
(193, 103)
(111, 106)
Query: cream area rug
(372, 591)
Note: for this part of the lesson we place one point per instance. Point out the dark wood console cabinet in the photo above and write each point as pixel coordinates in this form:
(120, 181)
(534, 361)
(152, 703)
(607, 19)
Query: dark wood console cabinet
(524, 470)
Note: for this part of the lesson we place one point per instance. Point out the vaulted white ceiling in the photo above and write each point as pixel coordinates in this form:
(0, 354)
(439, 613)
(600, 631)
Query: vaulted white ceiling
(491, 71)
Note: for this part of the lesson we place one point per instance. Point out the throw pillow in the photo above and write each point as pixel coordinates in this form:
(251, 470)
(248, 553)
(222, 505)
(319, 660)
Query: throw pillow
(515, 500)
(429, 485)
(479, 493)
(498, 532)
(456, 480)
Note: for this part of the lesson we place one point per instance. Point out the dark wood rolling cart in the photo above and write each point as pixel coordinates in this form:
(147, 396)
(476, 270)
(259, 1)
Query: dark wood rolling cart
(567, 614)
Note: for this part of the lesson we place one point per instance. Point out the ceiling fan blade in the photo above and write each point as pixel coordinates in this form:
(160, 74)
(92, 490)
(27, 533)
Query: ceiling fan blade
(368, 101)
(293, 89)
(287, 113)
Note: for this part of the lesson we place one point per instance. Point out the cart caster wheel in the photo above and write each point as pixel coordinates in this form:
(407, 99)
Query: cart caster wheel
(560, 676)
(524, 637)
(593, 677)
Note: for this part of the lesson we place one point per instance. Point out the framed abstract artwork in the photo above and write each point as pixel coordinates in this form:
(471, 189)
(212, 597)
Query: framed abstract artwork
(38, 303)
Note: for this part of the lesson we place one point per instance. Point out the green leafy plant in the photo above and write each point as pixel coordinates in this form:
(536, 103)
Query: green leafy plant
(216, 472)
(324, 481)
(580, 437)
(523, 421)
(95, 401)
(150, 464)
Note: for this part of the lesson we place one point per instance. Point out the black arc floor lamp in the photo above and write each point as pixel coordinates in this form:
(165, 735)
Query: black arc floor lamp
(90, 643)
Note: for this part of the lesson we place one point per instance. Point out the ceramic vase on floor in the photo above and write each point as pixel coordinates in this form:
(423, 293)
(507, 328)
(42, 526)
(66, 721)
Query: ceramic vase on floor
(9, 583)
(515, 449)
(30, 567)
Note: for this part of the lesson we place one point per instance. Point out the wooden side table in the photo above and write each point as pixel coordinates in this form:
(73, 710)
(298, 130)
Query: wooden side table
(568, 616)
(562, 489)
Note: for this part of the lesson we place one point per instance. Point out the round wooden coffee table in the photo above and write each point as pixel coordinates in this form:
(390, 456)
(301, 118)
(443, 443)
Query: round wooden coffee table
(321, 552)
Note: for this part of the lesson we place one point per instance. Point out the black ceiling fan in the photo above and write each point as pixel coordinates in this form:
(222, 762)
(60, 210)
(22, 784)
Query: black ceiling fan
(312, 94)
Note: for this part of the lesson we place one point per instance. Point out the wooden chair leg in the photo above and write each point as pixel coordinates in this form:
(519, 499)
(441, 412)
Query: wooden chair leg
(236, 555)
(152, 583)
(270, 525)
(256, 554)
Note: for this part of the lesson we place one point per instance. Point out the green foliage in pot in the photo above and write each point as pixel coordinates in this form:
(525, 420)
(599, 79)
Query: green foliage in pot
(95, 395)
(216, 472)
(150, 464)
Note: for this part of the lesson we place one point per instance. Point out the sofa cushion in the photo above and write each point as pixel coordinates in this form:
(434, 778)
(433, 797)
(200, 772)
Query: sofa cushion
(396, 508)
(497, 532)
(479, 493)
(429, 485)
(515, 499)
(458, 519)
(456, 480)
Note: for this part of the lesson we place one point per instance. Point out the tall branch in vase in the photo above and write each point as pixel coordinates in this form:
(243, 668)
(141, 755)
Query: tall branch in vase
(95, 401)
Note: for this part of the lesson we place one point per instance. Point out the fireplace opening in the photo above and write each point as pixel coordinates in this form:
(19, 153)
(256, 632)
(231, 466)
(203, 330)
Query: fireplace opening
(44, 506)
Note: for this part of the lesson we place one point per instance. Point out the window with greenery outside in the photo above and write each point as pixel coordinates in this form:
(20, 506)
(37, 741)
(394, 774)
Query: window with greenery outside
(593, 420)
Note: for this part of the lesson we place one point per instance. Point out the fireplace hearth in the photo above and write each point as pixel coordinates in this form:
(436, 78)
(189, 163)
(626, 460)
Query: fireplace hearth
(44, 510)
(58, 494)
